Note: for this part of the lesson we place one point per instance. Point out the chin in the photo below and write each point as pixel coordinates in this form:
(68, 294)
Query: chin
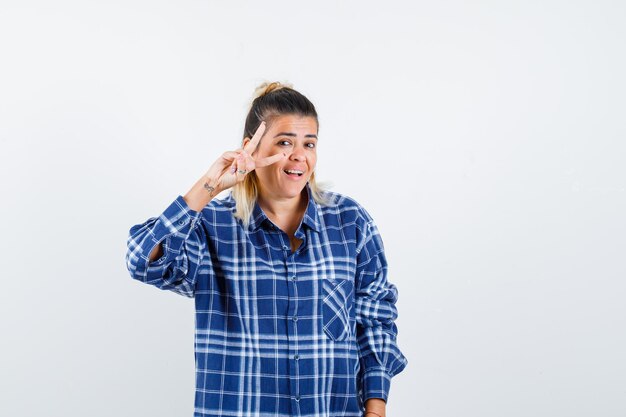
(292, 192)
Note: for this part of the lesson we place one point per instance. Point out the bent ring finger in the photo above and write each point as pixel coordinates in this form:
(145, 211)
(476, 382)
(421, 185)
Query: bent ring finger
(241, 165)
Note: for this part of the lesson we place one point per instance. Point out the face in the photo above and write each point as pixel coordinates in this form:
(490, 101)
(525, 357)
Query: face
(295, 136)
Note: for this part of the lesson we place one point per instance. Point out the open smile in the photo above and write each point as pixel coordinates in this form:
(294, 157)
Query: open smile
(294, 174)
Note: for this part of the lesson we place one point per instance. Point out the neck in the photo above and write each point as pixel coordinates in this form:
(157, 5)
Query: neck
(284, 209)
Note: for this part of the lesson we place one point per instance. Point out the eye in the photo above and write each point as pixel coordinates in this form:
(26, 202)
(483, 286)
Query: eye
(284, 141)
(312, 145)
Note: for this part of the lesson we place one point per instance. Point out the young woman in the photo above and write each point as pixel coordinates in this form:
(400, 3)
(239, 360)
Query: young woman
(294, 312)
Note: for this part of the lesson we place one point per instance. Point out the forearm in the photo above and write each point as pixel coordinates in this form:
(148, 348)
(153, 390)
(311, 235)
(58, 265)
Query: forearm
(376, 405)
(201, 193)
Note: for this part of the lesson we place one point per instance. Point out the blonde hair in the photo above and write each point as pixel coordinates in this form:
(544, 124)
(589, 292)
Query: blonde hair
(271, 100)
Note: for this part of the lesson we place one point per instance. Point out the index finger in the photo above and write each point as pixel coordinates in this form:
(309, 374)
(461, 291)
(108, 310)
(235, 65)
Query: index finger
(269, 160)
(251, 146)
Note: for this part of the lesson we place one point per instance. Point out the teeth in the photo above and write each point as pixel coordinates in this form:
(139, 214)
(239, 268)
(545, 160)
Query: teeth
(290, 171)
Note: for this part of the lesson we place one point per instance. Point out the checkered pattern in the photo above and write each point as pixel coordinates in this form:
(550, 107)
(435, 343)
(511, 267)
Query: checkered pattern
(278, 333)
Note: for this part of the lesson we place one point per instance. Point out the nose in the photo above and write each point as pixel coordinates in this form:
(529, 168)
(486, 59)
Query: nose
(297, 155)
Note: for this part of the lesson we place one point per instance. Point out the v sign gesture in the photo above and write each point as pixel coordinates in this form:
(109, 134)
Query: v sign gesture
(229, 169)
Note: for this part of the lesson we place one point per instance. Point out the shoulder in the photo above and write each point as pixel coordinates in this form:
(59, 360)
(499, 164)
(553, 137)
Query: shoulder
(346, 207)
(346, 213)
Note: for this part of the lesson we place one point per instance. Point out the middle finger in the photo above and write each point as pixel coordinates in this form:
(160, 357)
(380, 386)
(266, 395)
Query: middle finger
(251, 146)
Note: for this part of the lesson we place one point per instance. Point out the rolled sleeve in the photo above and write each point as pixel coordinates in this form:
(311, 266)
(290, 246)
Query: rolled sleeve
(183, 247)
(379, 355)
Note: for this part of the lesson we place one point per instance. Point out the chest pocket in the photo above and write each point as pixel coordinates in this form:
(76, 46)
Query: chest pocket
(336, 307)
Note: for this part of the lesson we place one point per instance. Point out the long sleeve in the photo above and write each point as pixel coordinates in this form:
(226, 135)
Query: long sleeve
(375, 298)
(184, 244)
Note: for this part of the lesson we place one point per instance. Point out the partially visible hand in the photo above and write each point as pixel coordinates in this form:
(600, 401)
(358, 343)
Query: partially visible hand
(224, 173)
(376, 405)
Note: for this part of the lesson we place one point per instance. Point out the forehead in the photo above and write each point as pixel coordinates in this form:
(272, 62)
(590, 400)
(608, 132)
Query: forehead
(294, 124)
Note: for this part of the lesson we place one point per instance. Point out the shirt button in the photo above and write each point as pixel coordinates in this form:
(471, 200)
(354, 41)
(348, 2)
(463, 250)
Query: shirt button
(182, 222)
(296, 357)
(285, 247)
(295, 318)
(297, 398)
(293, 278)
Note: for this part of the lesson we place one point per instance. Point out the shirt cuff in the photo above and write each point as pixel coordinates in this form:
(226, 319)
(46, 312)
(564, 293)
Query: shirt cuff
(376, 384)
(178, 218)
(174, 225)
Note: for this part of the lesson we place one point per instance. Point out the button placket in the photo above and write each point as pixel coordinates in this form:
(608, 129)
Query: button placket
(292, 316)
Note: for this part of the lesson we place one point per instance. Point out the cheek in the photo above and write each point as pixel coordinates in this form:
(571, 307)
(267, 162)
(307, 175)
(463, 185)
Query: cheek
(265, 151)
(267, 171)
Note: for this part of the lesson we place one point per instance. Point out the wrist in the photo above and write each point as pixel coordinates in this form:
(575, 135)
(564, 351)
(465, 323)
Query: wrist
(210, 186)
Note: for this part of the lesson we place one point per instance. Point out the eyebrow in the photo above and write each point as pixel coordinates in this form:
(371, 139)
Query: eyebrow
(294, 135)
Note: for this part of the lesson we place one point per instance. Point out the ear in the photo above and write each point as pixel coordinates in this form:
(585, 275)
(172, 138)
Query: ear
(245, 141)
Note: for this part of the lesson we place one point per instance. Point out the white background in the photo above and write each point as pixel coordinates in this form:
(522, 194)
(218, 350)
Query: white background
(485, 138)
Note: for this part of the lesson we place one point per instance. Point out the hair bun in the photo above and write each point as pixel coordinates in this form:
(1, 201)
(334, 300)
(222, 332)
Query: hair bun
(267, 87)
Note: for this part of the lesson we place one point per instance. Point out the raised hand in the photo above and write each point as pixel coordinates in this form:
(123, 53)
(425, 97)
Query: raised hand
(232, 167)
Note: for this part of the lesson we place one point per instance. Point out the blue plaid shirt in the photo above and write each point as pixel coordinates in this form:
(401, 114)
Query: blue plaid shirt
(278, 333)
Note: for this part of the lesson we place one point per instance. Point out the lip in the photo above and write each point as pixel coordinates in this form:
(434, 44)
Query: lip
(294, 177)
(303, 169)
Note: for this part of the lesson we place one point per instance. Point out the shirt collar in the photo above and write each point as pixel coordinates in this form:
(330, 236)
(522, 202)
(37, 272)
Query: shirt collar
(311, 216)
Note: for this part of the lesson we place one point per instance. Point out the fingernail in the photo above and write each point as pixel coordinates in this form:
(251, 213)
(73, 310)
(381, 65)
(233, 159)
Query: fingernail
(232, 170)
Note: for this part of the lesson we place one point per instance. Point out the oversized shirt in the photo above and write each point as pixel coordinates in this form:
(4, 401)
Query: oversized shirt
(278, 333)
